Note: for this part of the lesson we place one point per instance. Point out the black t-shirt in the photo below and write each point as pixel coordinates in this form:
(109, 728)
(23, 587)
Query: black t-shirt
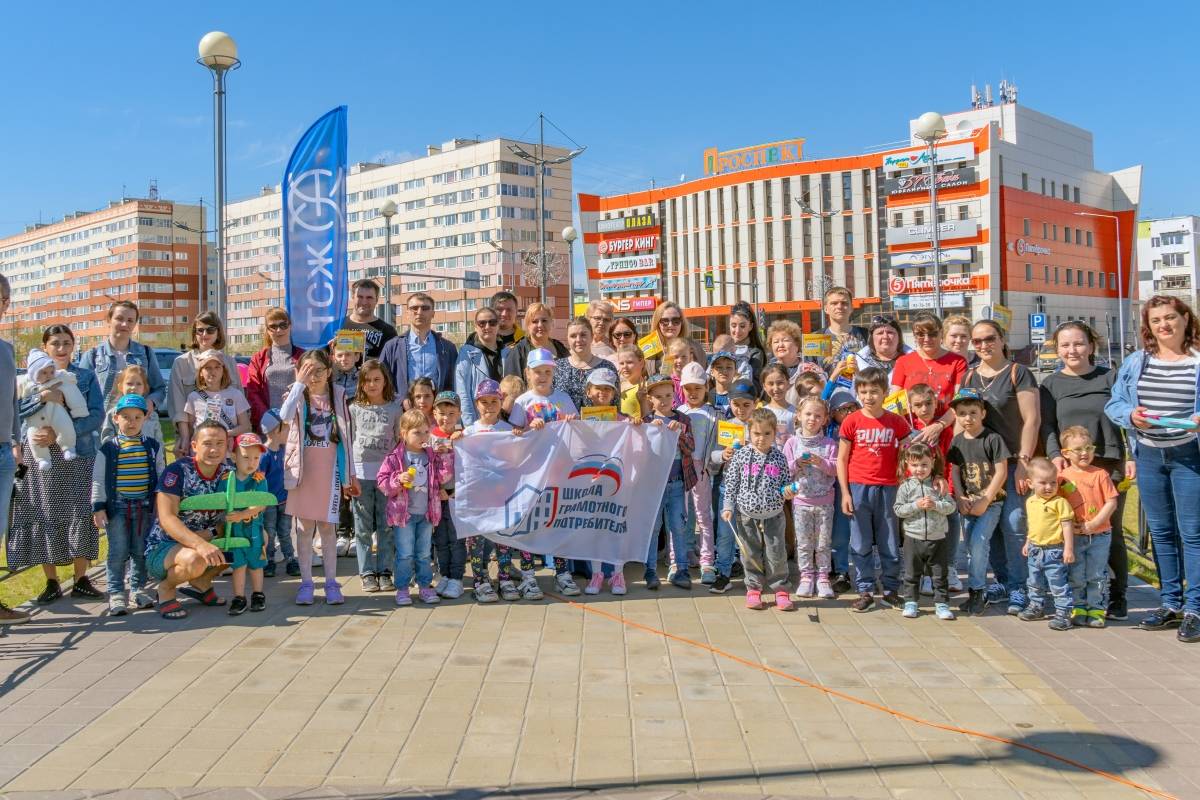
(976, 460)
(377, 334)
(1079, 400)
(1000, 397)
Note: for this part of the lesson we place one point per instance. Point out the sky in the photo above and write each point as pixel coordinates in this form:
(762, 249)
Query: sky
(109, 97)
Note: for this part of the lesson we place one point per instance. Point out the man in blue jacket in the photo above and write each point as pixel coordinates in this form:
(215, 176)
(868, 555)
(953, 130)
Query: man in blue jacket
(119, 351)
(420, 352)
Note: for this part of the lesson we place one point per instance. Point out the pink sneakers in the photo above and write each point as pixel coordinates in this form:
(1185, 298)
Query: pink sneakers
(783, 602)
(618, 583)
(807, 587)
(754, 599)
(595, 584)
(824, 588)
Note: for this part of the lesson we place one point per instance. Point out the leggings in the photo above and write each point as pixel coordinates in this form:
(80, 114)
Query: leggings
(305, 530)
(480, 548)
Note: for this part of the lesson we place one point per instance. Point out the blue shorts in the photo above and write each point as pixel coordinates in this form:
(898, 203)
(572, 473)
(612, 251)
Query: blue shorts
(155, 556)
(251, 556)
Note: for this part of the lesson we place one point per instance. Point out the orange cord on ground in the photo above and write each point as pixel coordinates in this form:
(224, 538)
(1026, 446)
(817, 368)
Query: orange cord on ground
(850, 698)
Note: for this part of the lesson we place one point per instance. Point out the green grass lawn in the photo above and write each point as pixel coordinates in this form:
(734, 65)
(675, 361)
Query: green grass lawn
(16, 589)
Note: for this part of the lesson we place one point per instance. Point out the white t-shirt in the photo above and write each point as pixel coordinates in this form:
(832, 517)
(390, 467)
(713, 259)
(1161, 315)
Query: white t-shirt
(549, 408)
(479, 426)
(223, 405)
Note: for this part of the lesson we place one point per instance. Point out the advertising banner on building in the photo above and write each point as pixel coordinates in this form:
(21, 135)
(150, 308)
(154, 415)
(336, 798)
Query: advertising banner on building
(761, 155)
(631, 223)
(948, 179)
(950, 229)
(314, 232)
(628, 244)
(901, 285)
(634, 305)
(919, 302)
(911, 159)
(607, 266)
(639, 283)
(585, 490)
(924, 258)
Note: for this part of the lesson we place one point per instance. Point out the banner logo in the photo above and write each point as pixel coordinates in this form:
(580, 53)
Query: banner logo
(763, 155)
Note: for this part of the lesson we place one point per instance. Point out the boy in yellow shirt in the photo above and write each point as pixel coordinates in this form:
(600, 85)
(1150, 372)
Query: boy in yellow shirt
(1049, 546)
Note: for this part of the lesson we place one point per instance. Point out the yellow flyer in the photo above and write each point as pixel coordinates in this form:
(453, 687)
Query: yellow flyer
(353, 341)
(650, 344)
(730, 433)
(897, 402)
(818, 345)
(601, 413)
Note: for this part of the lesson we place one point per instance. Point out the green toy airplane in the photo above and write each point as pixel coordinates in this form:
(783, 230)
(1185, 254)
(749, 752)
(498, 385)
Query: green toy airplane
(228, 501)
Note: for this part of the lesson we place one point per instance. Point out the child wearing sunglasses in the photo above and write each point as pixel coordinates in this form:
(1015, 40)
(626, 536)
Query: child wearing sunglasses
(1093, 498)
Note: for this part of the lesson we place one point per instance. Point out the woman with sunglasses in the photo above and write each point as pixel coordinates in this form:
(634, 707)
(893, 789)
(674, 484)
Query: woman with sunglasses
(539, 321)
(1076, 395)
(207, 334)
(600, 315)
(273, 368)
(669, 323)
(885, 345)
(1163, 380)
(624, 331)
(1012, 405)
(478, 359)
(936, 367)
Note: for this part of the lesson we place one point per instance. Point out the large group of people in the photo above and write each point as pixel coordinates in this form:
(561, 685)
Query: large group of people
(886, 471)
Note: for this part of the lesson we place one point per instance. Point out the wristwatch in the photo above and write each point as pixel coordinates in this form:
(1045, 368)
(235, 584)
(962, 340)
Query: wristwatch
(1024, 459)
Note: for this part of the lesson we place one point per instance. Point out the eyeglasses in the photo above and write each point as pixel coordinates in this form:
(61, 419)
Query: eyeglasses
(624, 333)
(486, 323)
(205, 330)
(985, 340)
(881, 320)
(279, 326)
(423, 307)
(1080, 451)
(601, 319)
(671, 320)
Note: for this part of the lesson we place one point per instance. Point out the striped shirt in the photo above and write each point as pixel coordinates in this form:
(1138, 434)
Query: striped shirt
(1168, 388)
(133, 467)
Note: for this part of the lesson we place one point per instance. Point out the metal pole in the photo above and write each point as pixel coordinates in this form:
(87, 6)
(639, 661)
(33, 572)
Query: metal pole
(937, 259)
(1120, 286)
(540, 165)
(571, 276)
(387, 269)
(464, 301)
(219, 136)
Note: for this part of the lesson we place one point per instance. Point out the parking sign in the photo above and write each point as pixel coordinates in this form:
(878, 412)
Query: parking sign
(1037, 322)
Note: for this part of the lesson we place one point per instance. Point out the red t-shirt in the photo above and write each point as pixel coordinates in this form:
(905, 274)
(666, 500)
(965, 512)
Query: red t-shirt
(942, 374)
(943, 444)
(874, 447)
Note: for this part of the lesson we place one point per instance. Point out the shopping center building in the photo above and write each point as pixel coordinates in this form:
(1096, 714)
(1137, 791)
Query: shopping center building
(1026, 222)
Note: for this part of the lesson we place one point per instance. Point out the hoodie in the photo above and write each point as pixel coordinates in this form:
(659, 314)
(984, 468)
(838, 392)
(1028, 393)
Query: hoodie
(928, 525)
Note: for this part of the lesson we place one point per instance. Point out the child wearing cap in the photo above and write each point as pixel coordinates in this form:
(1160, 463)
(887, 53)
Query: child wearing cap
(375, 419)
(479, 548)
(277, 523)
(248, 450)
(133, 380)
(451, 552)
(124, 480)
(42, 375)
(489, 409)
(672, 513)
(722, 368)
(694, 383)
(214, 398)
(741, 406)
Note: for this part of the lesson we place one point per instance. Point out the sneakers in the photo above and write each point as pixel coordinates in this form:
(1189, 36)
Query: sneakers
(428, 596)
(9, 616)
(943, 611)
(955, 583)
(681, 580)
(863, 603)
(52, 592)
(269, 570)
(117, 606)
(238, 606)
(1032, 613)
(292, 568)
(1154, 621)
(825, 589)
(783, 602)
(708, 575)
(258, 601)
(333, 593)
(652, 582)
(441, 584)
(1060, 622)
(807, 587)
(911, 611)
(927, 586)
(754, 599)
(370, 583)
(1016, 602)
(316, 561)
(1079, 617)
(1189, 629)
(452, 590)
(403, 598)
(485, 593)
(720, 585)
(304, 595)
(841, 583)
(1118, 610)
(508, 591)
(996, 593)
(566, 584)
(891, 600)
(595, 584)
(343, 546)
(618, 583)
(386, 584)
(83, 588)
(1095, 618)
(529, 589)
(975, 604)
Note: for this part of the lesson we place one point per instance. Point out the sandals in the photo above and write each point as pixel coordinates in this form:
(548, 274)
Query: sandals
(172, 609)
(207, 598)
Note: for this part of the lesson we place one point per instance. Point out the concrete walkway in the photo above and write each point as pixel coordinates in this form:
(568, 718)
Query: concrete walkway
(546, 698)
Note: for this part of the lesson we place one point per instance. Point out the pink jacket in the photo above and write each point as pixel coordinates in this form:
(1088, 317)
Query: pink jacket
(391, 475)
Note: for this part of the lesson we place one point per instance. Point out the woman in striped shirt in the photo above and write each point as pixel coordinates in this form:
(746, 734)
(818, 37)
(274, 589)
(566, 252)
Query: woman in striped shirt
(1163, 381)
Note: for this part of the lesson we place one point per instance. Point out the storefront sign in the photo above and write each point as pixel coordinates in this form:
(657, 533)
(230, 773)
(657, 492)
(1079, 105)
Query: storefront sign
(899, 284)
(950, 229)
(634, 305)
(911, 159)
(924, 258)
(924, 301)
(626, 223)
(763, 155)
(608, 266)
(949, 179)
(641, 283)
(628, 244)
(1025, 247)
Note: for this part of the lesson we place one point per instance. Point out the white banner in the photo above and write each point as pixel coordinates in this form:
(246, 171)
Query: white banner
(575, 489)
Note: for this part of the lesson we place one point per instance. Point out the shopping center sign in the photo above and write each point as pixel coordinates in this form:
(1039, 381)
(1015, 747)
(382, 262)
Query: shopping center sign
(924, 258)
(909, 184)
(911, 159)
(762, 155)
(949, 229)
(628, 244)
(607, 266)
(901, 285)
(630, 223)
(1025, 247)
(636, 283)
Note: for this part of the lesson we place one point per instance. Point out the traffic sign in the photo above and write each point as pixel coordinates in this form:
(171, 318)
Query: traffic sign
(708, 280)
(1037, 335)
(1037, 322)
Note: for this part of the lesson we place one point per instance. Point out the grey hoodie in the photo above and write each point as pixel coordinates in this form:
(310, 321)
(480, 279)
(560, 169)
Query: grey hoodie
(928, 525)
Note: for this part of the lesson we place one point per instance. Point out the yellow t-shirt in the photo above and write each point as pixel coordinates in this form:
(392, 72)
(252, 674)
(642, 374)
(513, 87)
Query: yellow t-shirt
(1045, 519)
(631, 406)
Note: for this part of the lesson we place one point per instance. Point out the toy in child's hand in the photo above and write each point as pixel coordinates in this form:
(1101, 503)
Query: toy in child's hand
(794, 486)
(408, 477)
(228, 501)
(1160, 421)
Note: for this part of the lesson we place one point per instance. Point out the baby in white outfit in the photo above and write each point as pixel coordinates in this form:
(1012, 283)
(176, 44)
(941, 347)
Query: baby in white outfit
(41, 375)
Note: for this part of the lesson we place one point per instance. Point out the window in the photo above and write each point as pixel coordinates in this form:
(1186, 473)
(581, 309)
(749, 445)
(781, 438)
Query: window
(1053, 188)
(1046, 273)
(1043, 185)
(1078, 236)
(1075, 193)
(1172, 259)
(826, 192)
(1066, 194)
(1091, 279)
(919, 216)
(1102, 286)
(1054, 232)
(767, 210)
(897, 219)
(1066, 234)
(1025, 181)
(1069, 274)
(1045, 230)
(1172, 238)
(941, 214)
(1029, 272)
(1056, 276)
(1089, 238)
(963, 212)
(848, 242)
(750, 202)
(847, 192)
(1027, 227)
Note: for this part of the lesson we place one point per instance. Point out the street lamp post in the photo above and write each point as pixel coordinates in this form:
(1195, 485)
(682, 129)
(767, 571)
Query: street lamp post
(218, 52)
(818, 286)
(387, 212)
(930, 128)
(569, 235)
(1120, 273)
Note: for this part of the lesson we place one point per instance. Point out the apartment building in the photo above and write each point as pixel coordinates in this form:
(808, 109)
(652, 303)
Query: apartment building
(1167, 257)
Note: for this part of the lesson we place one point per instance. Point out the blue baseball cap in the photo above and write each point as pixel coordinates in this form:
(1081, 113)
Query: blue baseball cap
(270, 421)
(742, 390)
(540, 357)
(132, 401)
(719, 355)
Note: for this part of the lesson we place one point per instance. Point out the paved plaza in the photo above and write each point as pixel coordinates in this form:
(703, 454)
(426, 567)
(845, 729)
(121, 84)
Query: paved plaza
(554, 700)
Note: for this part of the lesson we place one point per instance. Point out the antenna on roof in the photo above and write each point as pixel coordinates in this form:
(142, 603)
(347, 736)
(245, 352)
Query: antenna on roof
(987, 95)
(153, 193)
(975, 99)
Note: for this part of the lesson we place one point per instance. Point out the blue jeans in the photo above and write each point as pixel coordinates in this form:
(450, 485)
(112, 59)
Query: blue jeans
(1169, 481)
(1007, 561)
(841, 534)
(128, 523)
(278, 525)
(978, 531)
(955, 562)
(672, 512)
(8, 473)
(726, 532)
(371, 528)
(1047, 570)
(1089, 573)
(873, 526)
(413, 542)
